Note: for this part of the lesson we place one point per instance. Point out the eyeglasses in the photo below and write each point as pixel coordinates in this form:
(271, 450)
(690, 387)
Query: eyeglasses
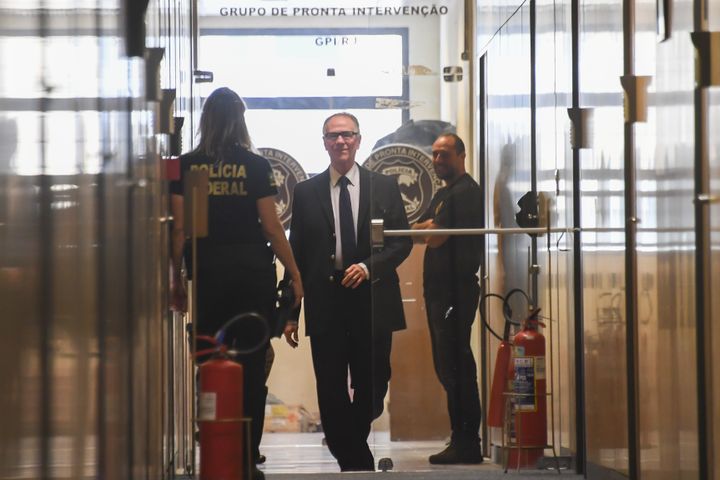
(347, 135)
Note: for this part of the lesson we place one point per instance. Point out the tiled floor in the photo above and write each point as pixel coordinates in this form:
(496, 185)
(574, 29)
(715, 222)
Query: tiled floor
(291, 455)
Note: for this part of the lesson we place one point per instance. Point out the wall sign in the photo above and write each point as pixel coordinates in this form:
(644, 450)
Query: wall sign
(422, 10)
(288, 173)
(414, 172)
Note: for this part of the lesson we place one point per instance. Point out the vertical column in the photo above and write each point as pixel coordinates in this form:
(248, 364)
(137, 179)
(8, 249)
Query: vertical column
(703, 291)
(579, 324)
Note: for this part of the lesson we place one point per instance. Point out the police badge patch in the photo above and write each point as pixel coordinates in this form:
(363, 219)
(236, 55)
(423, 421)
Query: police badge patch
(288, 173)
(414, 172)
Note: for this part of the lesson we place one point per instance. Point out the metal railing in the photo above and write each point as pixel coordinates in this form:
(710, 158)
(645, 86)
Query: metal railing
(378, 232)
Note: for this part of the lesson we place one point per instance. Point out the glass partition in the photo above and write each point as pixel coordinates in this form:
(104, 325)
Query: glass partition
(713, 355)
(82, 248)
(556, 296)
(509, 170)
(666, 255)
(602, 203)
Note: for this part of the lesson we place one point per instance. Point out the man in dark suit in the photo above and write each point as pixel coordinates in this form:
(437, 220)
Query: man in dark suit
(352, 295)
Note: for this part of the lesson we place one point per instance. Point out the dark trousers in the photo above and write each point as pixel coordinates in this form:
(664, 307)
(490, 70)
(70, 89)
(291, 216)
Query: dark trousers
(353, 345)
(453, 358)
(222, 294)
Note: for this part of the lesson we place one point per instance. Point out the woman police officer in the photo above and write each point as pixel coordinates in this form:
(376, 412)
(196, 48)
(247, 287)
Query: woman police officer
(235, 265)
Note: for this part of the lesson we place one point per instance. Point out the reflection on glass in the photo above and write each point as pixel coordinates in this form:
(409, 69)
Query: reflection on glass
(62, 79)
(504, 209)
(71, 144)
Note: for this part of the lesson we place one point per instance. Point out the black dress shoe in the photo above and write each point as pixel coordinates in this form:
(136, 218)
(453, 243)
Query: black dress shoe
(357, 465)
(257, 474)
(457, 453)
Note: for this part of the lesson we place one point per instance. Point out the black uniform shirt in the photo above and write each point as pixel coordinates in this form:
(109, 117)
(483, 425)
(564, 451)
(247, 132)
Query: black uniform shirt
(458, 259)
(235, 185)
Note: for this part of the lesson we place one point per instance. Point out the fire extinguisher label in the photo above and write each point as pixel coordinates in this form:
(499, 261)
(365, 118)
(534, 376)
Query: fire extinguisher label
(207, 406)
(524, 384)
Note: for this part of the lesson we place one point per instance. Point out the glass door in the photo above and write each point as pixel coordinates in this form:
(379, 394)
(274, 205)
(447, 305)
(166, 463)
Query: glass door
(295, 65)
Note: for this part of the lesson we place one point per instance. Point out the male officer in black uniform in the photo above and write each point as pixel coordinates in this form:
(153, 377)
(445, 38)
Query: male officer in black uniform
(451, 295)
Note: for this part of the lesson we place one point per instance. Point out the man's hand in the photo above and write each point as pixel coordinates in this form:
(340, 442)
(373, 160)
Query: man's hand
(291, 334)
(421, 226)
(433, 241)
(354, 276)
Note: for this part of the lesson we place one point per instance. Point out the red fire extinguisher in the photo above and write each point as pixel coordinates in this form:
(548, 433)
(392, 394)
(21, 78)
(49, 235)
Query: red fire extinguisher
(496, 411)
(497, 397)
(526, 380)
(220, 416)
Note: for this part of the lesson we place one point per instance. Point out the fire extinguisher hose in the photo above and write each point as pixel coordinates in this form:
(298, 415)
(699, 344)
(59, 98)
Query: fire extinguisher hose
(256, 333)
(506, 309)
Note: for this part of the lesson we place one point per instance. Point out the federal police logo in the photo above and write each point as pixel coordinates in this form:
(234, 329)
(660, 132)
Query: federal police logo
(287, 173)
(414, 172)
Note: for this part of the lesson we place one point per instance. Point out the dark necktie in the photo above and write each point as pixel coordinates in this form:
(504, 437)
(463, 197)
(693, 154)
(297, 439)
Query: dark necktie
(347, 226)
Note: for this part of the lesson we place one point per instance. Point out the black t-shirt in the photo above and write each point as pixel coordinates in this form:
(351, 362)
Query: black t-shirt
(455, 206)
(235, 185)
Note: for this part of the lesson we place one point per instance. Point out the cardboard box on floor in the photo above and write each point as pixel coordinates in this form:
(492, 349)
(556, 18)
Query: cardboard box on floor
(289, 419)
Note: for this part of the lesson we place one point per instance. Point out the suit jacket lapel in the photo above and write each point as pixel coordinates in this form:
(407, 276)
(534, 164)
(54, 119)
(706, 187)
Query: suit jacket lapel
(365, 200)
(322, 188)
